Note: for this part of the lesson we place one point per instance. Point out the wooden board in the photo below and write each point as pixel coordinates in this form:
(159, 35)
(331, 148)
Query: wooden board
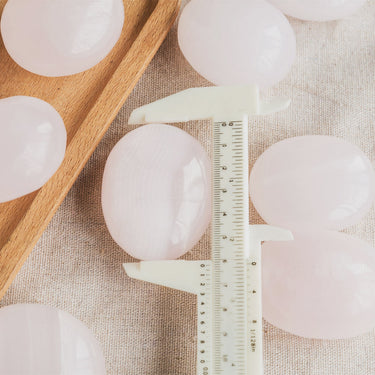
(88, 102)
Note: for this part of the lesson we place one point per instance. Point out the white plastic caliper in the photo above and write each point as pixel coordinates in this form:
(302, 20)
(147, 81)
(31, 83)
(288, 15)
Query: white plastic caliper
(228, 286)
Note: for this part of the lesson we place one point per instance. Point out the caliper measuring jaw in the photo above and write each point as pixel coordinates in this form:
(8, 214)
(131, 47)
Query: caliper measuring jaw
(229, 339)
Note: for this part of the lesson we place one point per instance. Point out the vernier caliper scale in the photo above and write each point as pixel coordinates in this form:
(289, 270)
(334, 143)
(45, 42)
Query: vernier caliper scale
(228, 286)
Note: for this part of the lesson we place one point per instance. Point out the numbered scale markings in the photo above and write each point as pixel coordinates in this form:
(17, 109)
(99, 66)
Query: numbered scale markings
(228, 287)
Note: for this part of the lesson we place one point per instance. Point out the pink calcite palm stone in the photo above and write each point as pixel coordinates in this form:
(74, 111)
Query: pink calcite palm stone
(157, 192)
(312, 181)
(41, 340)
(237, 41)
(59, 38)
(318, 10)
(32, 145)
(321, 285)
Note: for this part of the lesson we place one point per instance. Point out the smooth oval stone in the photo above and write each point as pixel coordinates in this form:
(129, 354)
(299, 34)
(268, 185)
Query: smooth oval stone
(58, 38)
(32, 145)
(156, 192)
(237, 41)
(41, 340)
(318, 10)
(321, 285)
(312, 181)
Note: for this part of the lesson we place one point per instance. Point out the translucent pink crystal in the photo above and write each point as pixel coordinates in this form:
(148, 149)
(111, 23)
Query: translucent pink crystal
(312, 181)
(321, 285)
(318, 10)
(32, 145)
(156, 192)
(41, 340)
(237, 41)
(58, 38)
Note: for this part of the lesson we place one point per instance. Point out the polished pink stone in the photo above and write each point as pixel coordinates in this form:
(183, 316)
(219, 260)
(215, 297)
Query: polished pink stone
(59, 38)
(318, 10)
(32, 145)
(41, 340)
(156, 192)
(237, 41)
(314, 182)
(321, 285)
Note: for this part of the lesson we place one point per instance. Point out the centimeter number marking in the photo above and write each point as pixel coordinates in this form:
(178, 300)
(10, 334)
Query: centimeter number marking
(229, 246)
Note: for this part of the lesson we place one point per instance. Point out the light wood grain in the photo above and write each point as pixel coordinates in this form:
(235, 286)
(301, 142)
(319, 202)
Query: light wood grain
(88, 103)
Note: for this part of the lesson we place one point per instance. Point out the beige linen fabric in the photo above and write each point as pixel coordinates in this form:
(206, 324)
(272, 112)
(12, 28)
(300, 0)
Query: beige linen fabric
(150, 330)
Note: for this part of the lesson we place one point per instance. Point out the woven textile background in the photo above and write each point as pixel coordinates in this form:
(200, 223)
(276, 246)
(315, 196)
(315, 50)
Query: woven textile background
(150, 330)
